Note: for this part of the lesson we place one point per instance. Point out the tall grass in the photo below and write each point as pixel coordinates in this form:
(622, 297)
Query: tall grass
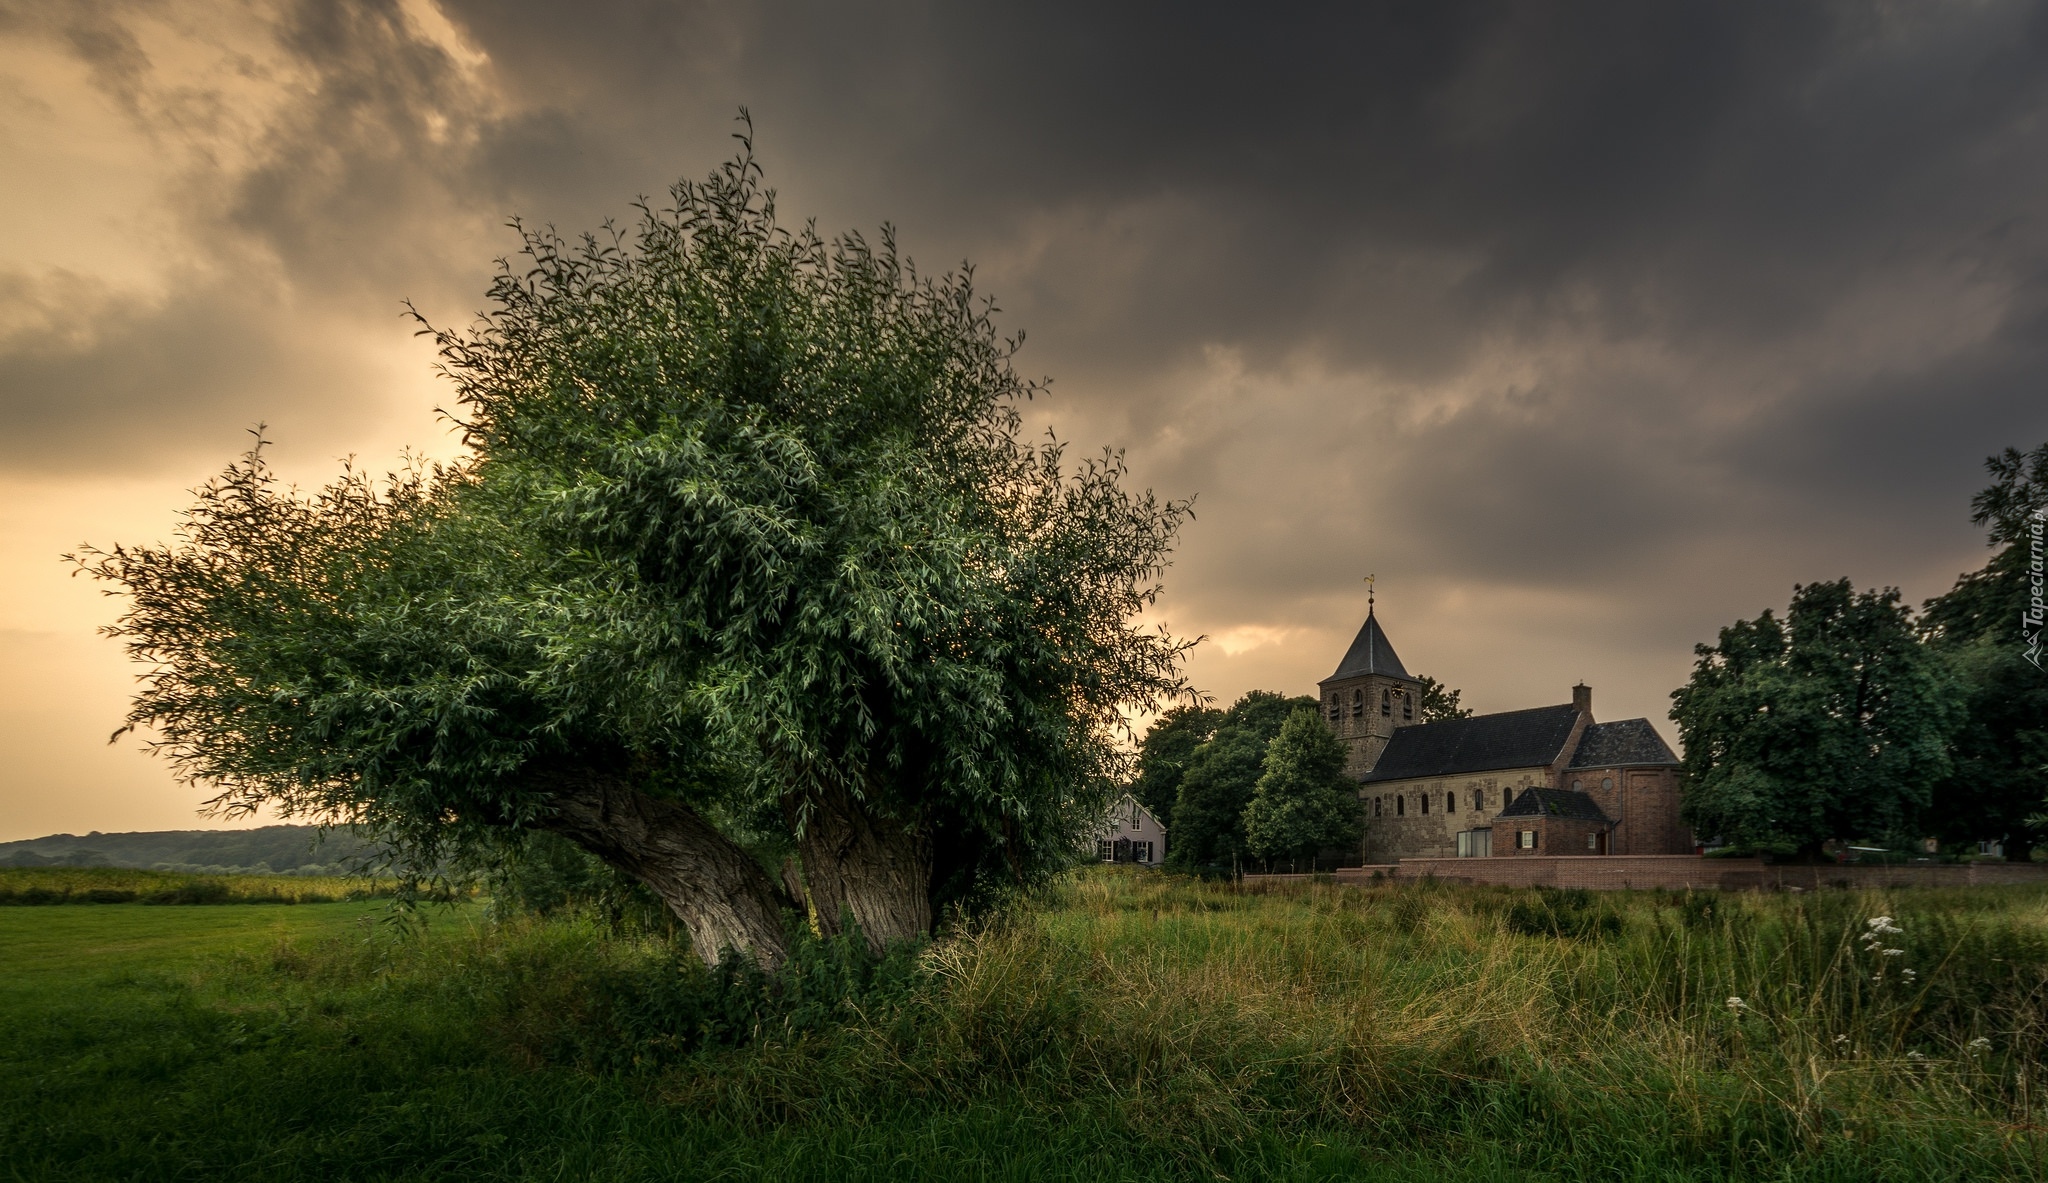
(1131, 1024)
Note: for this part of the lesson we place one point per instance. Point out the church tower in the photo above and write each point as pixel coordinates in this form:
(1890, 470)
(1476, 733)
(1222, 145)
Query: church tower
(1370, 694)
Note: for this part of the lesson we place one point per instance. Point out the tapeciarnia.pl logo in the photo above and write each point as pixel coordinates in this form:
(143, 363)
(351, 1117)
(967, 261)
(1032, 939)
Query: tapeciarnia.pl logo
(2037, 609)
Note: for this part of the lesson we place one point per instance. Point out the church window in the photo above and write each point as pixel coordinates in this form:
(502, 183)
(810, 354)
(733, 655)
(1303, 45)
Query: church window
(1507, 798)
(1407, 706)
(1375, 806)
(1451, 802)
(1357, 703)
(1479, 798)
(1401, 805)
(1606, 784)
(1333, 706)
(1577, 787)
(1386, 704)
(1424, 798)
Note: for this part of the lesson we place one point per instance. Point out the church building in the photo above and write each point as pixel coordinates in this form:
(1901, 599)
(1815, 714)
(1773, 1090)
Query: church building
(1543, 781)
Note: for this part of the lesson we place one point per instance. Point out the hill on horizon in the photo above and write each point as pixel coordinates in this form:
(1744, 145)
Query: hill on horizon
(263, 850)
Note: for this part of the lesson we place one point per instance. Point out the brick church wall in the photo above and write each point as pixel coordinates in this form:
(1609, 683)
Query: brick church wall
(1391, 834)
(1644, 801)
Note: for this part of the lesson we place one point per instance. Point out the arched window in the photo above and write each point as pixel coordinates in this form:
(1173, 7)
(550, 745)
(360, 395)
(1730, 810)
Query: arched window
(1407, 706)
(1479, 798)
(1357, 704)
(1375, 806)
(1401, 805)
(1333, 706)
(1424, 798)
(1507, 798)
(1386, 704)
(1577, 787)
(1451, 802)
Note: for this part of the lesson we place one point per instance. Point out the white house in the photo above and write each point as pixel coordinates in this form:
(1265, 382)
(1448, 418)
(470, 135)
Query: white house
(1130, 834)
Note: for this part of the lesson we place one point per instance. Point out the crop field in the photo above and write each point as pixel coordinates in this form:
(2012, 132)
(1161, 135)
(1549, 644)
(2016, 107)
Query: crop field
(1127, 1026)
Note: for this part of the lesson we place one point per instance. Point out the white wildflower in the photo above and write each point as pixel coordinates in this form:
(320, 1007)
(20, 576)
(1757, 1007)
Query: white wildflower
(1978, 1046)
(1894, 952)
(1916, 1057)
(1883, 925)
(1736, 1005)
(1841, 1039)
(1908, 974)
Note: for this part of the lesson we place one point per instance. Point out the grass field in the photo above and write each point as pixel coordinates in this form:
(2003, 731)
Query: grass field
(1131, 1026)
(115, 885)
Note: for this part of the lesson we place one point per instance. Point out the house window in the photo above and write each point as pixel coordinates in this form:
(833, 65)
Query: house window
(1141, 852)
(1386, 705)
(1105, 850)
(1401, 805)
(1526, 840)
(1592, 842)
(1577, 787)
(1606, 784)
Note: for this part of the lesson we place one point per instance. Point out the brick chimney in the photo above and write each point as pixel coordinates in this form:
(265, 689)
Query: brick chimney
(1582, 700)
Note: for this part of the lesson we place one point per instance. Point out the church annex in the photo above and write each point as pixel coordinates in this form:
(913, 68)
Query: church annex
(1543, 781)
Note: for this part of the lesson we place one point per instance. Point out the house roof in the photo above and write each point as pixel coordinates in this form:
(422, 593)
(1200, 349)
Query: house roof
(1628, 741)
(1511, 739)
(1554, 803)
(1370, 653)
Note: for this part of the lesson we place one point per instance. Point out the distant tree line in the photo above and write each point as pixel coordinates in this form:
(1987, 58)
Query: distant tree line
(1852, 719)
(1261, 783)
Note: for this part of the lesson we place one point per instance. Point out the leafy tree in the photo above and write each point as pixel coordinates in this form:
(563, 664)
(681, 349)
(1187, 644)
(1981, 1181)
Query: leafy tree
(1829, 724)
(1208, 816)
(1164, 754)
(1988, 629)
(1439, 702)
(747, 561)
(1303, 803)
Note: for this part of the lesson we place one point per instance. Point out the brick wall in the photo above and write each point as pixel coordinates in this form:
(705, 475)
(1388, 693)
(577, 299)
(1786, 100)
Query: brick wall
(1643, 800)
(1679, 872)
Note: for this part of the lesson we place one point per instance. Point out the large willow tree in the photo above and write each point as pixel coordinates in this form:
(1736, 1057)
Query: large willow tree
(747, 556)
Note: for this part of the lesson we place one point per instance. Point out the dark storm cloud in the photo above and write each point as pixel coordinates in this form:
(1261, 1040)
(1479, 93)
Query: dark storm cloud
(1540, 293)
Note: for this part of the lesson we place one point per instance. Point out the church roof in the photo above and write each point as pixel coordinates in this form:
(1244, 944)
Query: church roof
(1511, 739)
(1554, 803)
(1629, 741)
(1370, 653)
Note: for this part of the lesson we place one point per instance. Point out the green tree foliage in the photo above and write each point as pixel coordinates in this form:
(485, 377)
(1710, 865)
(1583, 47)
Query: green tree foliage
(1208, 816)
(747, 560)
(1439, 702)
(1304, 803)
(1985, 629)
(1165, 752)
(1829, 724)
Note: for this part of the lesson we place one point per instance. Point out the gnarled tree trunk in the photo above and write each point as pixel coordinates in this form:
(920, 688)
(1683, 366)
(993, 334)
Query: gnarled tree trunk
(720, 893)
(857, 863)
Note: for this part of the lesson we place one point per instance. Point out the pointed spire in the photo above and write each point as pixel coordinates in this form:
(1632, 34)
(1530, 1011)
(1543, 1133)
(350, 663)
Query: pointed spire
(1370, 653)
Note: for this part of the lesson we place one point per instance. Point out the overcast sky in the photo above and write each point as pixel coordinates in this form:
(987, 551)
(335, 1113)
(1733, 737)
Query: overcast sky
(1588, 328)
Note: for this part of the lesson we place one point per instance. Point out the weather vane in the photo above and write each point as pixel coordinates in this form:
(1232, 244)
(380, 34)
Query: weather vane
(1368, 593)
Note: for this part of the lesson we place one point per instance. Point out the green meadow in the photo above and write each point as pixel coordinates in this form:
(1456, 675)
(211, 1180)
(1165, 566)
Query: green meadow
(1126, 1026)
